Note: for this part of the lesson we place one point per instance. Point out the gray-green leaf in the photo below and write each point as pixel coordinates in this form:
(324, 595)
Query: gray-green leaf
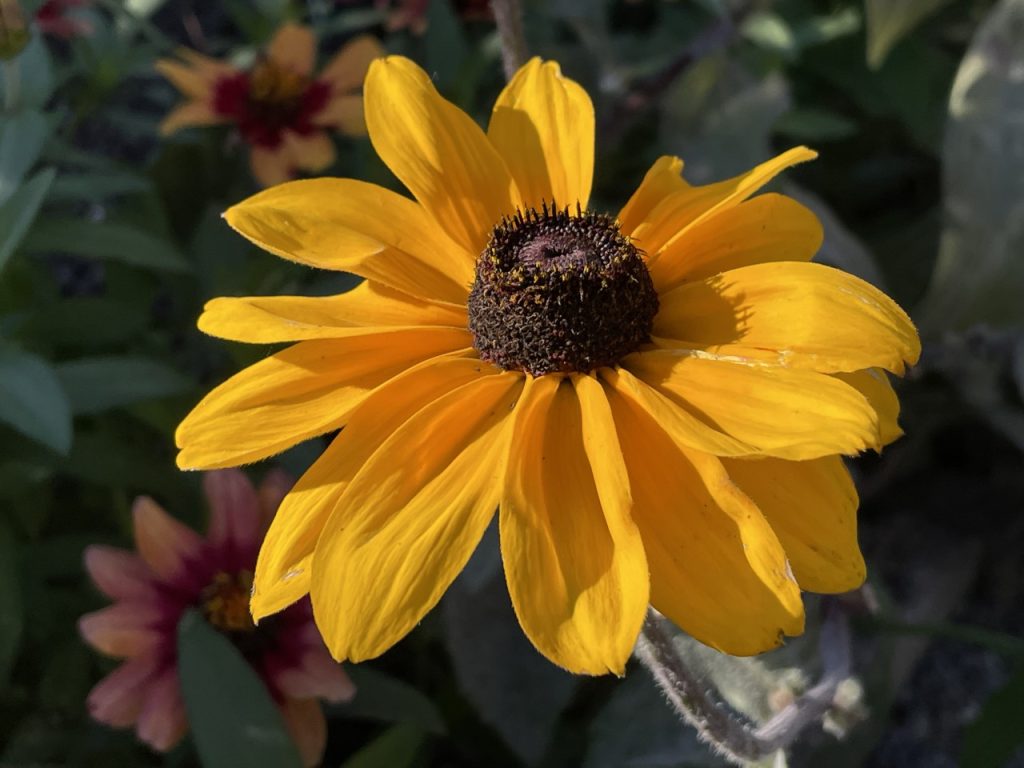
(32, 400)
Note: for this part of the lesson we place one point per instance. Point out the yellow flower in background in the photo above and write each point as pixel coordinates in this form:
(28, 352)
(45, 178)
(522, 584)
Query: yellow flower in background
(657, 402)
(279, 108)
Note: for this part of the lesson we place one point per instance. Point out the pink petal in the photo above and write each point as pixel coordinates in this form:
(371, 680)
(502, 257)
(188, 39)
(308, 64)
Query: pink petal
(118, 573)
(123, 630)
(117, 698)
(162, 720)
(275, 486)
(314, 675)
(166, 545)
(305, 722)
(236, 519)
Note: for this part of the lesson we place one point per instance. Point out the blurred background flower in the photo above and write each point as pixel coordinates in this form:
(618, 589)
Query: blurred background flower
(280, 108)
(174, 570)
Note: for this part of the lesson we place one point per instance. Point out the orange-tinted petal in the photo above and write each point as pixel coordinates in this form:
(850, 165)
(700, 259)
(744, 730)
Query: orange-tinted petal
(662, 180)
(347, 70)
(269, 319)
(293, 47)
(574, 563)
(717, 569)
(787, 413)
(688, 206)
(167, 545)
(305, 390)
(283, 569)
(191, 113)
(766, 228)
(812, 507)
(118, 573)
(344, 114)
(123, 630)
(316, 676)
(413, 516)
(874, 384)
(311, 152)
(437, 151)
(352, 226)
(802, 315)
(270, 167)
(543, 125)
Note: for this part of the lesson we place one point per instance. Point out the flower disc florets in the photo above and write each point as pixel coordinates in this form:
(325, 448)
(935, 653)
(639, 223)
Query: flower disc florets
(558, 293)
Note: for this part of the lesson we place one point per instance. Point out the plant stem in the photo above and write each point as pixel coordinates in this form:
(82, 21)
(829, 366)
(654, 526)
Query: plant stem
(735, 738)
(508, 15)
(12, 84)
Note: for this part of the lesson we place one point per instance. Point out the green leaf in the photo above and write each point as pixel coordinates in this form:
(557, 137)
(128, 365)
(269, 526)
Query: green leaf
(811, 124)
(771, 32)
(889, 21)
(19, 211)
(11, 610)
(234, 721)
(22, 136)
(395, 748)
(446, 47)
(34, 76)
(97, 384)
(979, 274)
(97, 187)
(87, 322)
(32, 400)
(513, 688)
(388, 699)
(991, 740)
(105, 240)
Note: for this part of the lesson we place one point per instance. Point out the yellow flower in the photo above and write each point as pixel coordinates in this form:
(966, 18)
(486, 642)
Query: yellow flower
(279, 108)
(656, 402)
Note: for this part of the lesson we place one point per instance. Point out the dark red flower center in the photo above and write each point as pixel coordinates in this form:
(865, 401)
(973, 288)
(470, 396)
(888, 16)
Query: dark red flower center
(269, 99)
(225, 602)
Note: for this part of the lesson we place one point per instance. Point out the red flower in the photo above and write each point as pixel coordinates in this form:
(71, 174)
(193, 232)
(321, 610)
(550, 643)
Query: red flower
(279, 108)
(176, 569)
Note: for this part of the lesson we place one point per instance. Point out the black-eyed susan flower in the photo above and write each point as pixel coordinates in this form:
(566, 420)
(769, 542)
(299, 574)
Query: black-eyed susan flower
(176, 569)
(656, 402)
(280, 109)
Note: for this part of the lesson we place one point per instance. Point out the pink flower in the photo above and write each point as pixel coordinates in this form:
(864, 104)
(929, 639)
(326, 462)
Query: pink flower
(176, 569)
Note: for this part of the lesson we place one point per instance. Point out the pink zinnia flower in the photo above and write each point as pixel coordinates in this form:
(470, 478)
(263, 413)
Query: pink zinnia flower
(176, 569)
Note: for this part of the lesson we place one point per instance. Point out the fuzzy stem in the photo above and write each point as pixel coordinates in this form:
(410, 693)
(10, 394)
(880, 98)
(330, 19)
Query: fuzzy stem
(732, 736)
(508, 16)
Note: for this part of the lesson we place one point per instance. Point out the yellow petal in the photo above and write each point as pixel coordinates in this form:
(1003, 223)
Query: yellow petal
(305, 390)
(309, 152)
(270, 167)
(283, 568)
(270, 319)
(812, 507)
(191, 113)
(767, 228)
(809, 315)
(347, 70)
(576, 570)
(787, 413)
(685, 428)
(691, 205)
(662, 180)
(293, 47)
(874, 384)
(352, 226)
(437, 151)
(412, 517)
(192, 82)
(543, 125)
(344, 114)
(717, 569)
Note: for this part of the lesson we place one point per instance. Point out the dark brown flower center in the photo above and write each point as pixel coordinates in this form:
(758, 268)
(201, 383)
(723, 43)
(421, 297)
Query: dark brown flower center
(557, 293)
(225, 602)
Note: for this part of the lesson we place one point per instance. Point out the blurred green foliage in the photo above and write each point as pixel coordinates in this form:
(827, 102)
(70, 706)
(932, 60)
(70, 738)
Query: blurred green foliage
(111, 240)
